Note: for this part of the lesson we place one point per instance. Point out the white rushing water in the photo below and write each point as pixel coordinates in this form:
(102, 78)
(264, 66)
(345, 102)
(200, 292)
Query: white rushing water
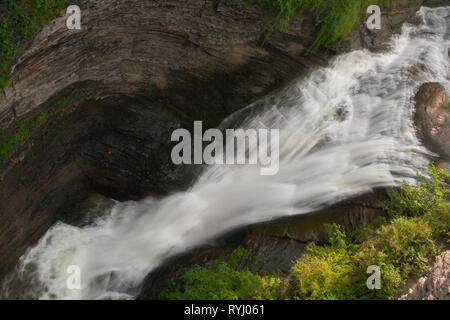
(344, 130)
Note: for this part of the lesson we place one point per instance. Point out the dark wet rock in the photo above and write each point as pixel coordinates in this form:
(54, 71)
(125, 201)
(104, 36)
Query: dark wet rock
(89, 211)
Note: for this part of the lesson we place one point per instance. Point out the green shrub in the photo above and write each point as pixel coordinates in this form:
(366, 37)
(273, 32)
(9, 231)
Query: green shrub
(322, 273)
(405, 243)
(400, 248)
(390, 277)
(417, 200)
(427, 199)
(366, 232)
(222, 281)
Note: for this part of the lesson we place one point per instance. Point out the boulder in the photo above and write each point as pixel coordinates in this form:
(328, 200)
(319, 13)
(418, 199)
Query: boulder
(432, 118)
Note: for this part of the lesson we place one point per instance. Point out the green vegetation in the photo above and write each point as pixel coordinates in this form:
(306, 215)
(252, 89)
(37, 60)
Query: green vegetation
(323, 272)
(22, 130)
(426, 200)
(19, 19)
(221, 281)
(400, 244)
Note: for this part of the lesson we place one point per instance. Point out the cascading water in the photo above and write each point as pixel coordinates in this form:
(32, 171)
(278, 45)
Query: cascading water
(344, 130)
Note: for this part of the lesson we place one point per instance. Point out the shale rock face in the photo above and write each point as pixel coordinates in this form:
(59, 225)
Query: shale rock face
(432, 118)
(436, 284)
(113, 92)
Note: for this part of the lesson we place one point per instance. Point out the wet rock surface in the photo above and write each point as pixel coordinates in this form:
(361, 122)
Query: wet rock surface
(432, 118)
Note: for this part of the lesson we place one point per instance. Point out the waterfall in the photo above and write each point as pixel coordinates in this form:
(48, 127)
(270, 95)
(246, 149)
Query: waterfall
(344, 130)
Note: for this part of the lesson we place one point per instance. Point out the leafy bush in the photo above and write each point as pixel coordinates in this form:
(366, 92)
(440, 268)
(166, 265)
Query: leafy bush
(368, 231)
(418, 200)
(426, 199)
(221, 281)
(401, 249)
(323, 272)
(321, 276)
(407, 243)
(390, 277)
(338, 271)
